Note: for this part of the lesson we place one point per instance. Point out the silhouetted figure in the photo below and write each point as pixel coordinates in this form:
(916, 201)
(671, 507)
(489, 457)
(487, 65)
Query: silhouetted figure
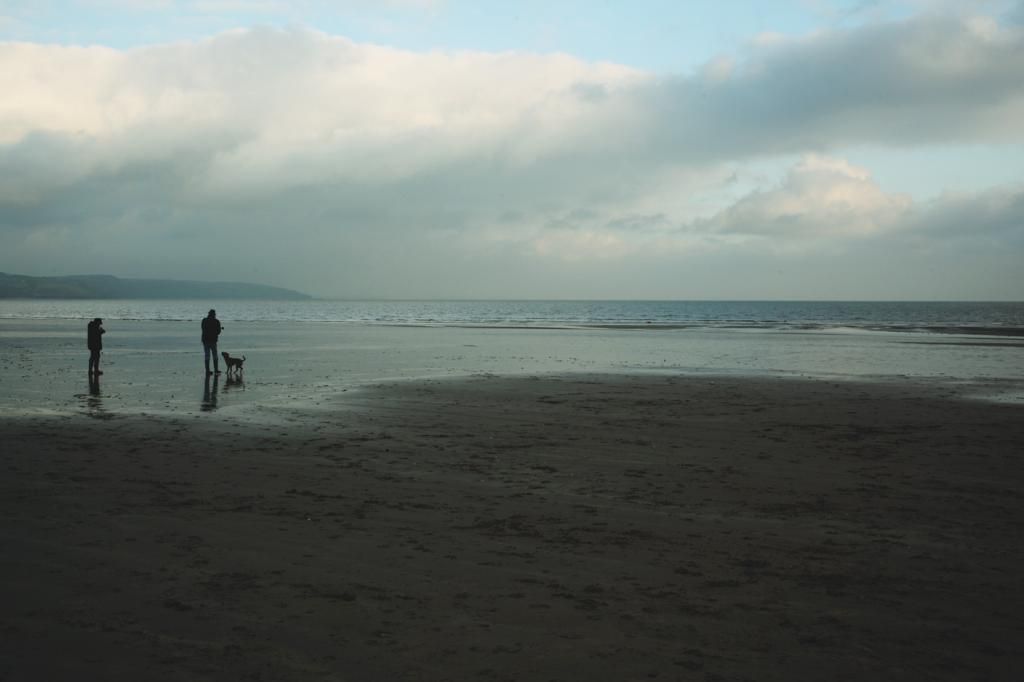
(209, 394)
(95, 341)
(211, 330)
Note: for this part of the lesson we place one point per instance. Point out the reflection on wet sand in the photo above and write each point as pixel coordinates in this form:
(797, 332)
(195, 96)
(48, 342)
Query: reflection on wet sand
(232, 382)
(209, 402)
(94, 399)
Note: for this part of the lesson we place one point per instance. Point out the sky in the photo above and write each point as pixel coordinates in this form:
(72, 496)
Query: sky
(652, 149)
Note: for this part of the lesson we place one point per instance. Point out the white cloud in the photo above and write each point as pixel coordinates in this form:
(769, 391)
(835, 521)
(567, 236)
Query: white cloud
(251, 6)
(302, 99)
(132, 5)
(821, 197)
(233, 6)
(295, 146)
(293, 94)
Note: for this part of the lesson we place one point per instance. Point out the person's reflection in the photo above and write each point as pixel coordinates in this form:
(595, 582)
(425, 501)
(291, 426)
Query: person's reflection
(94, 401)
(209, 394)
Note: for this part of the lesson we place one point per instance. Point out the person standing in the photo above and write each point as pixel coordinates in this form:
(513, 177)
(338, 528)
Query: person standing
(95, 332)
(211, 330)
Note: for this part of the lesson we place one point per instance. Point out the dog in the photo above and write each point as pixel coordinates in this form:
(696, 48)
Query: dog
(234, 364)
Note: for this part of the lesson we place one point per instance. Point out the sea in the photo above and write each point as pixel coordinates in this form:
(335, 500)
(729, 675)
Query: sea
(991, 318)
(310, 354)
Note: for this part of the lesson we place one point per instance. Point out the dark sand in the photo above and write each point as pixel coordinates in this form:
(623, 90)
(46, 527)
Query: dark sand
(605, 528)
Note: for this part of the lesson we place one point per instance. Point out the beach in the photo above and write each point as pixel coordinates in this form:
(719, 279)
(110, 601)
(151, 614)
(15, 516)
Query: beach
(550, 526)
(429, 341)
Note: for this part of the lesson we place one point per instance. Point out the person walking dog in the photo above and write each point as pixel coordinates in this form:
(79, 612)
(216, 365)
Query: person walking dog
(211, 331)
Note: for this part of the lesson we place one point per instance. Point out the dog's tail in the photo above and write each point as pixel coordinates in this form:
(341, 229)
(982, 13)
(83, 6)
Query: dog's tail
(243, 358)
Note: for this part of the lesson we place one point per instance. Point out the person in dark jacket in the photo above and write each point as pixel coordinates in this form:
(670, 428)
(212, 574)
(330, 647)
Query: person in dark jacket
(95, 332)
(211, 330)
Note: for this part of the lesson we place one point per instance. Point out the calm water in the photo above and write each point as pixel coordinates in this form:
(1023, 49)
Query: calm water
(311, 353)
(946, 317)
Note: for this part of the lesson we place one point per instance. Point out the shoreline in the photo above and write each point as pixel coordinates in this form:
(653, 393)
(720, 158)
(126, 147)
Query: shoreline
(558, 527)
(973, 319)
(970, 333)
(155, 367)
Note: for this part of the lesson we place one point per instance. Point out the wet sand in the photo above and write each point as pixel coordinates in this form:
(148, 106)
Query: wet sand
(573, 528)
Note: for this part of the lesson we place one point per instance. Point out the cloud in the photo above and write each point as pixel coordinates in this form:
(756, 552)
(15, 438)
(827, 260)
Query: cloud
(354, 166)
(925, 80)
(827, 199)
(299, 95)
(928, 79)
(232, 6)
(821, 197)
(253, 6)
(992, 219)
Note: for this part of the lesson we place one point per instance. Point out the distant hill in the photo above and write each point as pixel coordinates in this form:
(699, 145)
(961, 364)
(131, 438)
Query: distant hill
(108, 286)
